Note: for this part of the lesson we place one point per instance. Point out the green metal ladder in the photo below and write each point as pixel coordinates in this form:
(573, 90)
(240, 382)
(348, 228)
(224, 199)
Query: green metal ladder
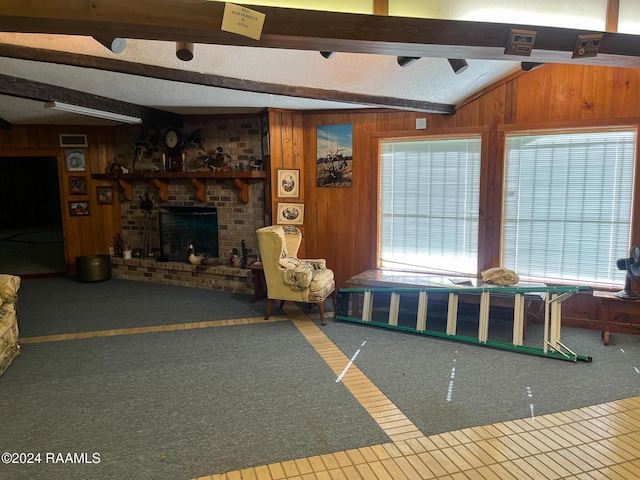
(349, 302)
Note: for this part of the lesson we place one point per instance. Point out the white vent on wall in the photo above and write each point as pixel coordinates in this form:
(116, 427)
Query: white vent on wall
(73, 140)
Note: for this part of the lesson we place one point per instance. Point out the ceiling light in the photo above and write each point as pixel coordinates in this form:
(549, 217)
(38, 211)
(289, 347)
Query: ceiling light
(184, 51)
(529, 66)
(327, 55)
(406, 61)
(116, 117)
(458, 65)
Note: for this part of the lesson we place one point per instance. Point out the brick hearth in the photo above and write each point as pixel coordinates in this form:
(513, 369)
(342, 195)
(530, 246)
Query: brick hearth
(219, 277)
(237, 221)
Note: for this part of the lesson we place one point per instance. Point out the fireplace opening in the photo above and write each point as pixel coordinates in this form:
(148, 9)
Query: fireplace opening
(182, 226)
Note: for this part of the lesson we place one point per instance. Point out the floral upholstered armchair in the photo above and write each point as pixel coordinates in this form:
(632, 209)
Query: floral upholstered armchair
(287, 276)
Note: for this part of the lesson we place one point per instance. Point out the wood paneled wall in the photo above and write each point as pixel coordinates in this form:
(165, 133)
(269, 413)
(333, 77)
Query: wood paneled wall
(89, 235)
(341, 224)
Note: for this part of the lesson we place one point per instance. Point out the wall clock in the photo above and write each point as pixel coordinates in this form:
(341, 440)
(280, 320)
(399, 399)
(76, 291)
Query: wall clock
(171, 138)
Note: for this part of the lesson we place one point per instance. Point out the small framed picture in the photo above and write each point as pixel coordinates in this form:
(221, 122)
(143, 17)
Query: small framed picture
(289, 183)
(291, 213)
(78, 209)
(75, 160)
(104, 195)
(77, 185)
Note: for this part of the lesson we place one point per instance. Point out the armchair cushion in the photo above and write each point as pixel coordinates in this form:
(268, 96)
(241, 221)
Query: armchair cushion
(312, 275)
(293, 262)
(299, 277)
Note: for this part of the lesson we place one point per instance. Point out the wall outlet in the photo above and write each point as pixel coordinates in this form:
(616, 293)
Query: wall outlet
(421, 123)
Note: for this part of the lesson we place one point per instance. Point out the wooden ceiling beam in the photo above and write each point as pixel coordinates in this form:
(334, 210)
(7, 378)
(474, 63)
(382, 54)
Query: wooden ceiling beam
(210, 80)
(42, 92)
(612, 16)
(200, 22)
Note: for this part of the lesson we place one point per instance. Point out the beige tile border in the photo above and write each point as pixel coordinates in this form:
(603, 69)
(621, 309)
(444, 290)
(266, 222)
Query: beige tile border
(152, 329)
(394, 423)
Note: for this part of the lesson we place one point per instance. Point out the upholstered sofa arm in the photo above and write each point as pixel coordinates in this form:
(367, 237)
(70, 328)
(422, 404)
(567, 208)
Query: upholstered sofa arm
(9, 285)
(9, 345)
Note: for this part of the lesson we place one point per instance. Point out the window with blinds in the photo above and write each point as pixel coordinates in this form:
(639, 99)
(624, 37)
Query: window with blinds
(429, 194)
(567, 205)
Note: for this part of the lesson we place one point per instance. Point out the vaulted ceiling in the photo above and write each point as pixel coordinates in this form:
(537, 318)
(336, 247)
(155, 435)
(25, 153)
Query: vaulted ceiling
(49, 52)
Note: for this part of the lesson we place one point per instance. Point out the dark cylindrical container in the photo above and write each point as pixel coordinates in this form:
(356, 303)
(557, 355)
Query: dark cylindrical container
(93, 268)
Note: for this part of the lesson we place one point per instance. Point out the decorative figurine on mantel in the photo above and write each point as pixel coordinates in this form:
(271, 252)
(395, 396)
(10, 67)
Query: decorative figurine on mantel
(243, 262)
(146, 154)
(201, 259)
(234, 260)
(193, 258)
(118, 245)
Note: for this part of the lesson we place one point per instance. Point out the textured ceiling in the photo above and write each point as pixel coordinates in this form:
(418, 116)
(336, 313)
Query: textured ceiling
(429, 79)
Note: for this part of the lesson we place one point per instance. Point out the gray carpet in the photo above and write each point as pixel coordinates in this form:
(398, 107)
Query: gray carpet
(80, 307)
(489, 385)
(188, 403)
(172, 405)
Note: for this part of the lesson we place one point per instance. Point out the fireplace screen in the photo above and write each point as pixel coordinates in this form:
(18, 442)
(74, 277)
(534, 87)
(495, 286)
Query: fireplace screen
(181, 226)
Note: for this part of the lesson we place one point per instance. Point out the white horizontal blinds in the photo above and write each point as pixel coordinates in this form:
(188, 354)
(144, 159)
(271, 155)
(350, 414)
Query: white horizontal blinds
(567, 205)
(429, 204)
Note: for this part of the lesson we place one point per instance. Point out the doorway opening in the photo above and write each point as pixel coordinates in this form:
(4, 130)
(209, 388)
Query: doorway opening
(31, 232)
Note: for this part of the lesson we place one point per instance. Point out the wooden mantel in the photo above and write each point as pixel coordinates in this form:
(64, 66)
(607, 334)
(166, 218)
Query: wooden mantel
(198, 179)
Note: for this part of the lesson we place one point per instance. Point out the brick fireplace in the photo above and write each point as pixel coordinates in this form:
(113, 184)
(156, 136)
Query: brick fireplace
(236, 220)
(240, 139)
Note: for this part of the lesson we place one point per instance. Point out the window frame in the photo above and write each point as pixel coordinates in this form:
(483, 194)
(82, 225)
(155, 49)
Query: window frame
(439, 134)
(584, 127)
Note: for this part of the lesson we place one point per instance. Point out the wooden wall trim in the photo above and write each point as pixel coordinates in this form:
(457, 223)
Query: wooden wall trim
(629, 122)
(431, 132)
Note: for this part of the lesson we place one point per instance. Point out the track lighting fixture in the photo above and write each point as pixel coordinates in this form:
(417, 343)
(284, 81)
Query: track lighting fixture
(327, 55)
(528, 66)
(116, 45)
(458, 65)
(184, 51)
(406, 61)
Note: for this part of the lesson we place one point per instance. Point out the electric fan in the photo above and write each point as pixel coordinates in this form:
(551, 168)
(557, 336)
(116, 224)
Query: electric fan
(632, 265)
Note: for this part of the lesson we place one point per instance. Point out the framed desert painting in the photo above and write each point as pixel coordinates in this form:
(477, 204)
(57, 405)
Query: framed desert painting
(78, 209)
(290, 213)
(288, 183)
